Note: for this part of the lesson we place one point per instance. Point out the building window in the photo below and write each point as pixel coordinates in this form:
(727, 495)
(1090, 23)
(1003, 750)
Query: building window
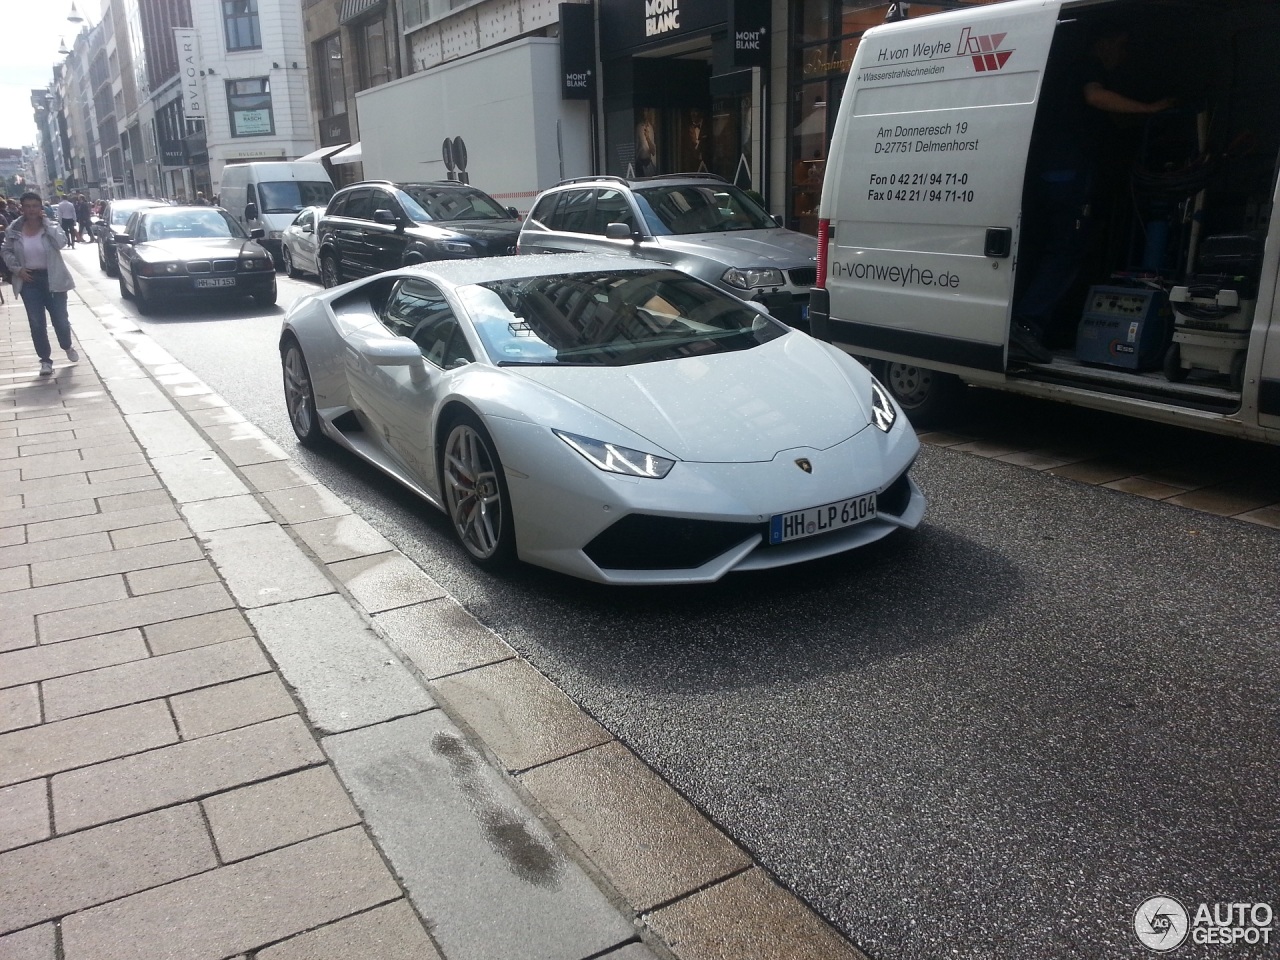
(249, 104)
(333, 85)
(240, 17)
(376, 57)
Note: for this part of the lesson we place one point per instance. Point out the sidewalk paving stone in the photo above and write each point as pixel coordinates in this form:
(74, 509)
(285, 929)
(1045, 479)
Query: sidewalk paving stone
(239, 703)
(441, 638)
(133, 458)
(300, 504)
(108, 503)
(386, 581)
(223, 513)
(62, 596)
(152, 678)
(38, 513)
(50, 660)
(239, 907)
(171, 577)
(182, 771)
(14, 578)
(649, 842)
(520, 715)
(132, 612)
(191, 477)
(19, 707)
(80, 741)
(150, 533)
(166, 433)
(83, 488)
(262, 565)
(480, 868)
(341, 538)
(107, 561)
(182, 634)
(277, 475)
(748, 917)
(393, 932)
(117, 520)
(277, 813)
(34, 943)
(26, 814)
(65, 874)
(344, 674)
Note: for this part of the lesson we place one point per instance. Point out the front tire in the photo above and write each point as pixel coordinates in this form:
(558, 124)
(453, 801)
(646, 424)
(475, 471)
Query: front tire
(289, 267)
(330, 272)
(267, 299)
(475, 493)
(928, 397)
(124, 291)
(299, 396)
(145, 303)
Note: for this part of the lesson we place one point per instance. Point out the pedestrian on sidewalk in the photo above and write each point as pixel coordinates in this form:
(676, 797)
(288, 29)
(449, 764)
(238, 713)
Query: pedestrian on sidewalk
(32, 252)
(67, 214)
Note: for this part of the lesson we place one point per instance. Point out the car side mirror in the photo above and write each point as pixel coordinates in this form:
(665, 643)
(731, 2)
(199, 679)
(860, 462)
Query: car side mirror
(515, 214)
(618, 231)
(251, 211)
(308, 228)
(122, 238)
(257, 233)
(391, 351)
(385, 216)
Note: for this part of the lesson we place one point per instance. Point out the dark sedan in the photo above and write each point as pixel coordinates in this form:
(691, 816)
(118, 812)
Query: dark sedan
(172, 253)
(112, 223)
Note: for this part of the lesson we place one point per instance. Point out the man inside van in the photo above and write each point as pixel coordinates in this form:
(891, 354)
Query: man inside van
(1071, 125)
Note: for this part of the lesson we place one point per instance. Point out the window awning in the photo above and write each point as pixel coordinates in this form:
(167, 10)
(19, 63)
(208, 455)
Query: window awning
(352, 9)
(350, 155)
(323, 152)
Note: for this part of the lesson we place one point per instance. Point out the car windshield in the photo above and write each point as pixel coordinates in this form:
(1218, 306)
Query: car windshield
(701, 208)
(613, 318)
(120, 213)
(204, 222)
(425, 202)
(290, 196)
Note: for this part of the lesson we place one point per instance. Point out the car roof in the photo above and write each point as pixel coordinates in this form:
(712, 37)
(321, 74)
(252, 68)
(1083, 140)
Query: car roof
(486, 269)
(710, 179)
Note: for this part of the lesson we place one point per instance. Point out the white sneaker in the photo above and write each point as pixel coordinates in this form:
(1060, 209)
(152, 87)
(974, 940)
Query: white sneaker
(73, 355)
(46, 368)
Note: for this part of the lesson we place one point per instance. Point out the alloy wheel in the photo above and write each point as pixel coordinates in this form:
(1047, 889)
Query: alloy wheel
(473, 491)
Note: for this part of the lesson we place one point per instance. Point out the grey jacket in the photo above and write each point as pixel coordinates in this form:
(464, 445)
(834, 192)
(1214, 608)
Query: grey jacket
(60, 280)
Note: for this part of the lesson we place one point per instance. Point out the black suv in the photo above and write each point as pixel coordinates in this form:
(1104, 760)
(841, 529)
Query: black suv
(379, 225)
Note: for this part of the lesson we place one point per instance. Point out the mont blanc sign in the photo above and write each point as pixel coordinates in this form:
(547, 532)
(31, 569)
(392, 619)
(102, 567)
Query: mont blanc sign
(193, 105)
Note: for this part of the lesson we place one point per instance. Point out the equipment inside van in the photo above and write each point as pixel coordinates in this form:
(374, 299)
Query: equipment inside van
(268, 195)
(932, 231)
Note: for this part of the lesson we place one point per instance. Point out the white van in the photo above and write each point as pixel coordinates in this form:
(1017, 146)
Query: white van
(269, 195)
(926, 242)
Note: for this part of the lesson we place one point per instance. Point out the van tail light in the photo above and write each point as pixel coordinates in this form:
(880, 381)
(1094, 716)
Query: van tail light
(824, 232)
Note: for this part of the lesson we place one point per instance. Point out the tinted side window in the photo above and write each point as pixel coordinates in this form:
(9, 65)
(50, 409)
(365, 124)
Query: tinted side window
(612, 207)
(419, 311)
(385, 201)
(574, 213)
(544, 210)
(359, 205)
(337, 205)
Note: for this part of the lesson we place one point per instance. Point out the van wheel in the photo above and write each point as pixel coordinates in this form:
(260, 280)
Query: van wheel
(1174, 372)
(927, 396)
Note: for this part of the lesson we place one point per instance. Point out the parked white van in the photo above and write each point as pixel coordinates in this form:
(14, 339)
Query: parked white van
(269, 195)
(932, 234)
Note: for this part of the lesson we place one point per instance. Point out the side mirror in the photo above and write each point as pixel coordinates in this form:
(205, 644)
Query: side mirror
(618, 231)
(515, 214)
(384, 216)
(122, 239)
(391, 351)
(308, 228)
(251, 211)
(257, 233)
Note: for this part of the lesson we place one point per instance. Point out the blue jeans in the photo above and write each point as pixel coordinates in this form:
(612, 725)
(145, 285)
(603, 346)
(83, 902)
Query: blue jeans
(38, 298)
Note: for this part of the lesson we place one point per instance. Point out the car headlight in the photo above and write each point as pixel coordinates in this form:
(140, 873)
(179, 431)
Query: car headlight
(162, 269)
(453, 246)
(752, 277)
(883, 412)
(254, 263)
(612, 458)
(275, 234)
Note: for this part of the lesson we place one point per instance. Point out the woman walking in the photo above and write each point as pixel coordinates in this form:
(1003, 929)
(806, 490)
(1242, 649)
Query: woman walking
(32, 251)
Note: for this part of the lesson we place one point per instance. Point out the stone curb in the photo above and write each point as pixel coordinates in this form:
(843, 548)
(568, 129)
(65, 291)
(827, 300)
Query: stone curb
(691, 892)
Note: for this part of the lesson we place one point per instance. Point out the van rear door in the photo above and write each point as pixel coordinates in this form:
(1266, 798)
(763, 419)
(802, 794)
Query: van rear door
(924, 183)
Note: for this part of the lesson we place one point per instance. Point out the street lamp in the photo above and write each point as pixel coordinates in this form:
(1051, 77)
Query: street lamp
(62, 47)
(74, 15)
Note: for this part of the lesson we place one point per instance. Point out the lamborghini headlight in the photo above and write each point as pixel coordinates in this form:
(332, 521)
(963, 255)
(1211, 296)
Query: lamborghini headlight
(612, 458)
(746, 279)
(883, 412)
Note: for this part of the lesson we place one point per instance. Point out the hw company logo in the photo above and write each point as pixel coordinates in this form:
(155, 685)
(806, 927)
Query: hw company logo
(984, 49)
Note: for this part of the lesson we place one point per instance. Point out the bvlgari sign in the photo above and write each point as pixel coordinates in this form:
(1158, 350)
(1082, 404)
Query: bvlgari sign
(189, 69)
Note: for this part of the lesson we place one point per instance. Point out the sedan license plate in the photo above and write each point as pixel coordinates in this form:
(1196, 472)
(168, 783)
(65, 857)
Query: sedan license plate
(815, 520)
(204, 282)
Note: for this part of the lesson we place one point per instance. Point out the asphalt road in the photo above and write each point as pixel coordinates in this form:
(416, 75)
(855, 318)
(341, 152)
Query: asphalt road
(994, 737)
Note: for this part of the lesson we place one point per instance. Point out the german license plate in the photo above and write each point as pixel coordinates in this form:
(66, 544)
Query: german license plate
(205, 282)
(815, 520)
